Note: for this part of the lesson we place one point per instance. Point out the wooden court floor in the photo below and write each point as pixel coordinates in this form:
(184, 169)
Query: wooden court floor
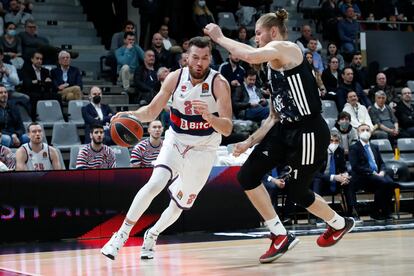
(368, 253)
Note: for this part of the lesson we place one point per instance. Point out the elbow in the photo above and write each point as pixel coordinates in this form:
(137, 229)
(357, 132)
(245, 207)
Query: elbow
(227, 132)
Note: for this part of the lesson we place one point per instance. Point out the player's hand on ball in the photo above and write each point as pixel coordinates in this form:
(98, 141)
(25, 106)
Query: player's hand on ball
(239, 148)
(121, 113)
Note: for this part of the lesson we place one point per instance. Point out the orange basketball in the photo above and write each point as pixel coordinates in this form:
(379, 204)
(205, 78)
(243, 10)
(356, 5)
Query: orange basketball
(126, 130)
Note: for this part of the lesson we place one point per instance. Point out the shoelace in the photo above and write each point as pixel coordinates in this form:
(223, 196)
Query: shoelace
(328, 232)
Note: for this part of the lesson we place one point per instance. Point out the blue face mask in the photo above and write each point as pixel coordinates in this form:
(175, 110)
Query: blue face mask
(11, 32)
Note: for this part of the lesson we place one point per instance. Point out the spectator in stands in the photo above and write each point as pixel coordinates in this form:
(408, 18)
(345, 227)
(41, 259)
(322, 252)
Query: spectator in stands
(129, 57)
(347, 133)
(331, 78)
(333, 52)
(36, 155)
(248, 102)
(330, 14)
(348, 30)
(333, 175)
(149, 19)
(317, 59)
(97, 113)
(166, 40)
(117, 39)
(242, 36)
(321, 86)
(96, 155)
(184, 44)
(217, 59)
(381, 85)
(16, 13)
(360, 71)
(359, 113)
(10, 122)
(162, 56)
(347, 85)
(12, 46)
(304, 39)
(146, 151)
(382, 116)
(67, 79)
(37, 82)
(348, 4)
(405, 112)
(201, 16)
(183, 61)
(7, 157)
(145, 80)
(232, 71)
(368, 172)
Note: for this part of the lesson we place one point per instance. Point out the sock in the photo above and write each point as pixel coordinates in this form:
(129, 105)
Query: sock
(126, 228)
(336, 222)
(168, 217)
(275, 226)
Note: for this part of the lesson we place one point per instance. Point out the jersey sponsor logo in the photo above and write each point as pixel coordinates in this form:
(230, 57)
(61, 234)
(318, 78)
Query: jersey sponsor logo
(186, 125)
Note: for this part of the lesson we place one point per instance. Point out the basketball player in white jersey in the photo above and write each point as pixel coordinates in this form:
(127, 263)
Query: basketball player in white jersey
(200, 113)
(36, 155)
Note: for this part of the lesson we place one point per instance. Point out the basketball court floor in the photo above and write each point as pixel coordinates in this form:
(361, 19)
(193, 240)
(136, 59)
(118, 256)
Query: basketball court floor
(376, 250)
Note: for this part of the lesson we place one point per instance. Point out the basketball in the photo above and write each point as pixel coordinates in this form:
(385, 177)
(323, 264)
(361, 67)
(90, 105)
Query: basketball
(126, 130)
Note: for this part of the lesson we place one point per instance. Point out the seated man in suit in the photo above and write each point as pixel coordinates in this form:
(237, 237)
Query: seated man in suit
(67, 79)
(333, 176)
(37, 82)
(96, 113)
(248, 102)
(368, 172)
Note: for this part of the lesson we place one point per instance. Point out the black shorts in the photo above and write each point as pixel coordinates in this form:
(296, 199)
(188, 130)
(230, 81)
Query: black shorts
(302, 146)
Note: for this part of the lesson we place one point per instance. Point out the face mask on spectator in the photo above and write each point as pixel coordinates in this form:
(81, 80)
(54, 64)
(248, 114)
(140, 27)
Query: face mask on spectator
(96, 99)
(332, 147)
(202, 3)
(344, 125)
(365, 135)
(11, 32)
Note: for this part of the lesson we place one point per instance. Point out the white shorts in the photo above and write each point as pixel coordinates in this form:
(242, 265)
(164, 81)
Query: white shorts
(190, 168)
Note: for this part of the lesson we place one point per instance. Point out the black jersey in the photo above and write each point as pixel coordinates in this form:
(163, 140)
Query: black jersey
(295, 93)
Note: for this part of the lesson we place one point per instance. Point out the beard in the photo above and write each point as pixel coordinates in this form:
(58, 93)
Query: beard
(198, 75)
(97, 142)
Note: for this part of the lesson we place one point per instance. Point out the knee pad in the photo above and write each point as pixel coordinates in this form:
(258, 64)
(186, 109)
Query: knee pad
(247, 180)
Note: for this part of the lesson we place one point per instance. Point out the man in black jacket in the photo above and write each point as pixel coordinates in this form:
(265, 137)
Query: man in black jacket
(248, 102)
(368, 172)
(405, 112)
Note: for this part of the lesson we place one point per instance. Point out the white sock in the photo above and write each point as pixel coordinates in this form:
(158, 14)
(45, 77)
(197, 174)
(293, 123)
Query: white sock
(275, 226)
(336, 222)
(168, 217)
(126, 228)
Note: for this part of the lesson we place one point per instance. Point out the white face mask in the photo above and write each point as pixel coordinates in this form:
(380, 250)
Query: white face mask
(365, 136)
(332, 147)
(202, 3)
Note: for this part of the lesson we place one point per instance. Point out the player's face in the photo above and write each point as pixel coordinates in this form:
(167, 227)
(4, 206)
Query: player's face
(35, 134)
(199, 60)
(263, 36)
(97, 136)
(155, 129)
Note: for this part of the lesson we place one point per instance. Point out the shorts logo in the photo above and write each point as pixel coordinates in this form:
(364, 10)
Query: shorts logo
(191, 198)
(180, 195)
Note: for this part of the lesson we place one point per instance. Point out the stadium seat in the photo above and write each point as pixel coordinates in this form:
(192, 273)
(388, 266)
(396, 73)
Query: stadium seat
(49, 112)
(74, 150)
(122, 156)
(24, 114)
(331, 122)
(65, 135)
(385, 148)
(62, 163)
(406, 147)
(226, 21)
(410, 85)
(75, 111)
(329, 109)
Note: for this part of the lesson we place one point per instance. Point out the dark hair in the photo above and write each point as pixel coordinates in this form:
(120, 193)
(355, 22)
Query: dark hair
(356, 54)
(34, 53)
(277, 19)
(96, 126)
(32, 124)
(128, 22)
(200, 42)
(344, 115)
(242, 28)
(251, 72)
(8, 24)
(128, 34)
(1, 51)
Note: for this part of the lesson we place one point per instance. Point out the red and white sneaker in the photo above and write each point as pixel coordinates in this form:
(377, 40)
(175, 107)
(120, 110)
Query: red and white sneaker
(331, 236)
(279, 246)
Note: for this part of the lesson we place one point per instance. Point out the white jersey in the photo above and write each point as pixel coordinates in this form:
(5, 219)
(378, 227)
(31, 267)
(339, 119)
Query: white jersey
(188, 127)
(38, 161)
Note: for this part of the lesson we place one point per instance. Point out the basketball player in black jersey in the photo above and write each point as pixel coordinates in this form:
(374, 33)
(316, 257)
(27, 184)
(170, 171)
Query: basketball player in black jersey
(294, 134)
